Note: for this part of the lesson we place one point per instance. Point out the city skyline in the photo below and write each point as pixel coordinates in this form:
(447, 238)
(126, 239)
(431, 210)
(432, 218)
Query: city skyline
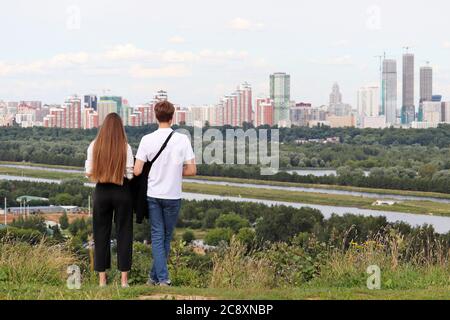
(197, 58)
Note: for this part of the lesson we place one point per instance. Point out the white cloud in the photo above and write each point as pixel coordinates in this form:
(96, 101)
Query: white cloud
(223, 55)
(345, 60)
(177, 40)
(175, 56)
(170, 71)
(446, 44)
(117, 60)
(244, 24)
(126, 52)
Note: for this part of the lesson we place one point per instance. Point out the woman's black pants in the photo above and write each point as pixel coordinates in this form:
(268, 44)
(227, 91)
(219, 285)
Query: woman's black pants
(112, 202)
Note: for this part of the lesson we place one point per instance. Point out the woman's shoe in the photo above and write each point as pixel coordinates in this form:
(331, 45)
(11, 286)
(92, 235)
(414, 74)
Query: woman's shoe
(152, 282)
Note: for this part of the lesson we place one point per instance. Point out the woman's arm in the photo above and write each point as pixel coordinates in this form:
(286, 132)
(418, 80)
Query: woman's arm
(88, 164)
(138, 167)
(130, 163)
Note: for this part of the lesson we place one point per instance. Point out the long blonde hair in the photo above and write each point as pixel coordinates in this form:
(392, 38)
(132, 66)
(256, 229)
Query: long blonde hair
(110, 152)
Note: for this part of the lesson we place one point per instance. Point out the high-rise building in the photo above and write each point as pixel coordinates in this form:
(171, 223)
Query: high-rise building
(135, 119)
(302, 114)
(147, 113)
(280, 93)
(246, 106)
(105, 107)
(180, 115)
(426, 88)
(56, 118)
(336, 95)
(72, 107)
(90, 118)
(426, 83)
(369, 102)
(264, 113)
(90, 101)
(389, 91)
(117, 100)
(408, 107)
(336, 106)
(237, 107)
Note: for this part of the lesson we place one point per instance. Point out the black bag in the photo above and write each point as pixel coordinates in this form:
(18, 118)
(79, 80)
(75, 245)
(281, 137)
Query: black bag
(139, 186)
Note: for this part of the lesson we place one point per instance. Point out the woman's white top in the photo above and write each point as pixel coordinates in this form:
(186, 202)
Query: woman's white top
(129, 166)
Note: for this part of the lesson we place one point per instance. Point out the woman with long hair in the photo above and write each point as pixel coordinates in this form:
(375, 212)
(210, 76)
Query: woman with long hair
(110, 165)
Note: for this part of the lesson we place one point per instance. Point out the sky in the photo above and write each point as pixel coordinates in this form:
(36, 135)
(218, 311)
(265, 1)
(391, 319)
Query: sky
(200, 50)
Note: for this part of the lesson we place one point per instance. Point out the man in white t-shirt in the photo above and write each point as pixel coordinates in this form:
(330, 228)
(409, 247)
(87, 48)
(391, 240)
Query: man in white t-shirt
(164, 185)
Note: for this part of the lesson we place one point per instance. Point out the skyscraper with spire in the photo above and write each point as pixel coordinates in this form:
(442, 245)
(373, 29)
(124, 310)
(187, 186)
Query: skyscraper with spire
(336, 95)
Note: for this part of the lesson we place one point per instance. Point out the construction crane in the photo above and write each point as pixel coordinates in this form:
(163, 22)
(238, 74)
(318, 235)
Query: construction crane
(407, 49)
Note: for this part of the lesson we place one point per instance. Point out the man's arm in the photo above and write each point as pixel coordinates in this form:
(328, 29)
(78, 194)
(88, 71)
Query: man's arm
(138, 167)
(189, 168)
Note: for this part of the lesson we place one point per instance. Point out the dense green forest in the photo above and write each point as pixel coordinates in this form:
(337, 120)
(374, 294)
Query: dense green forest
(395, 158)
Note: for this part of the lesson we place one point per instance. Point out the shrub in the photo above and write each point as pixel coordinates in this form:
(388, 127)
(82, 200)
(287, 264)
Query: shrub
(188, 236)
(11, 234)
(32, 222)
(247, 236)
(64, 221)
(232, 221)
(215, 236)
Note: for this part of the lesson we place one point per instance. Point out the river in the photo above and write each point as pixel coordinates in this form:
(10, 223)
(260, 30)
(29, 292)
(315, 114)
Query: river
(363, 194)
(441, 224)
(317, 172)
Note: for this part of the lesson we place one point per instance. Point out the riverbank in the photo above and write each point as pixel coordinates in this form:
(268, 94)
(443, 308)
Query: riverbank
(409, 206)
(34, 172)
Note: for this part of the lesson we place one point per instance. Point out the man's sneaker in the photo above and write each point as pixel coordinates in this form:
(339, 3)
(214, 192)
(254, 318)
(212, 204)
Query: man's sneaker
(152, 282)
(165, 284)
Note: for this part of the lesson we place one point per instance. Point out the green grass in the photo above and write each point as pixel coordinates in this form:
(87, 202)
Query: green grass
(114, 292)
(31, 164)
(42, 174)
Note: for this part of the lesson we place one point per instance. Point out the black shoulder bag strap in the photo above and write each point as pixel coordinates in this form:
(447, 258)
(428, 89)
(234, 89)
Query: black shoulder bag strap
(162, 149)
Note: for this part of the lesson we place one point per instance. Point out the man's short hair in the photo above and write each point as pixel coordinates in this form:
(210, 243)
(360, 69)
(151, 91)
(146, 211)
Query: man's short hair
(164, 111)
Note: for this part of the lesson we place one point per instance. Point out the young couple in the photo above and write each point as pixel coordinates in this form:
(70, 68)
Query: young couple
(165, 156)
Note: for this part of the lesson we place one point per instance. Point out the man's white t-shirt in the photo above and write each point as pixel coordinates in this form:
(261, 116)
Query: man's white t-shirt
(166, 175)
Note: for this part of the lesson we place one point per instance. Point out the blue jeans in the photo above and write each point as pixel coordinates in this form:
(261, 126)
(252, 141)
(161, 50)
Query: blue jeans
(163, 218)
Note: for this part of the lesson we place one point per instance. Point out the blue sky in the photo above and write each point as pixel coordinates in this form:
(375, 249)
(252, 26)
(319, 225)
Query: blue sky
(199, 50)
